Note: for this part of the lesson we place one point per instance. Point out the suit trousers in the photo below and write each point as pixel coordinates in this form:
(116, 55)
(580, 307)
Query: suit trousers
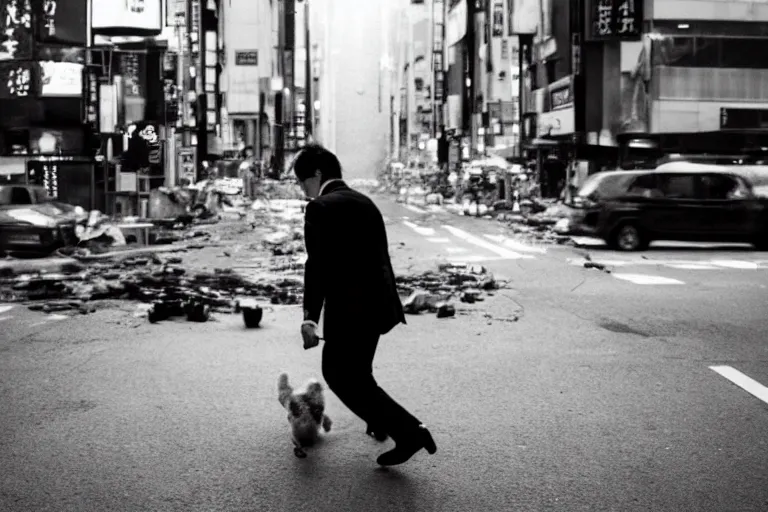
(348, 371)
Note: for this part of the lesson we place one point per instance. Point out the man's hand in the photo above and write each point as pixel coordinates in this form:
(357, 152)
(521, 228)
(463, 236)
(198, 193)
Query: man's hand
(309, 334)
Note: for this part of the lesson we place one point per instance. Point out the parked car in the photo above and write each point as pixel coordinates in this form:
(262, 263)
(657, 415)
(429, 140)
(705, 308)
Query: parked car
(677, 201)
(33, 223)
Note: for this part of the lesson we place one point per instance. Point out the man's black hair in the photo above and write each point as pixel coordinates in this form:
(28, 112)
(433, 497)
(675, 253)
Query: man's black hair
(313, 157)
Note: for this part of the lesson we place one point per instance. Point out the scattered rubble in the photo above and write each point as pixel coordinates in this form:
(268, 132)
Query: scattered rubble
(432, 291)
(597, 266)
(181, 276)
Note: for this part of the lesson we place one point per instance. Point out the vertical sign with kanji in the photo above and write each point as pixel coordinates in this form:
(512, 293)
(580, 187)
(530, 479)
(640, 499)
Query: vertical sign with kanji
(614, 19)
(15, 30)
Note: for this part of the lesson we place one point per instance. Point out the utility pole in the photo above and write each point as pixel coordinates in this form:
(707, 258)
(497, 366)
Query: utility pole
(410, 91)
(433, 102)
(309, 110)
(471, 45)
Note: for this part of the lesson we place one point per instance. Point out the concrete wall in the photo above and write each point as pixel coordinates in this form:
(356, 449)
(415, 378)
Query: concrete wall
(669, 116)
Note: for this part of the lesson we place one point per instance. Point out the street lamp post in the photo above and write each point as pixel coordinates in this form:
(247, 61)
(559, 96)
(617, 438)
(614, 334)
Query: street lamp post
(309, 113)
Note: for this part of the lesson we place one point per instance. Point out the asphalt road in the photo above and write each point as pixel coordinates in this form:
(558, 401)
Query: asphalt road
(571, 389)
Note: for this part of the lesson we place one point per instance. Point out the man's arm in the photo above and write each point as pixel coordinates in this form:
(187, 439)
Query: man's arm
(314, 293)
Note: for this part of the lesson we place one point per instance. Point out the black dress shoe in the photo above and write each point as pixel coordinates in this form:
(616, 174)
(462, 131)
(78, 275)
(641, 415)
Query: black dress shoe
(378, 435)
(407, 449)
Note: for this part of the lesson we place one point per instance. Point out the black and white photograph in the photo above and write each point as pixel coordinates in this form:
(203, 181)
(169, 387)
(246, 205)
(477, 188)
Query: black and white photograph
(384, 255)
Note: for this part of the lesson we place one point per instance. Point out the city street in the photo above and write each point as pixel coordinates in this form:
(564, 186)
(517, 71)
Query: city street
(635, 386)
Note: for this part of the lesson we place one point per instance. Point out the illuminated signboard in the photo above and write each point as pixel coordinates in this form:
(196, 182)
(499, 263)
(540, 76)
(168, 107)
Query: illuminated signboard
(126, 17)
(614, 20)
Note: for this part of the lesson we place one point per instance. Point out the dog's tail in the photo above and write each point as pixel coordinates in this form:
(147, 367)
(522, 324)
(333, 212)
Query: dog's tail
(284, 389)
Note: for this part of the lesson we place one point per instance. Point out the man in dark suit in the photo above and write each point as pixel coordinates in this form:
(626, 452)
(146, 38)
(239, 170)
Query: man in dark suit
(348, 271)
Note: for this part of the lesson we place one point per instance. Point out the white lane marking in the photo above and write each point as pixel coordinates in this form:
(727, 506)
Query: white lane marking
(748, 384)
(435, 240)
(692, 266)
(5, 309)
(501, 251)
(414, 208)
(420, 230)
(4, 318)
(510, 243)
(475, 258)
(646, 279)
(741, 265)
(456, 249)
(49, 319)
(676, 264)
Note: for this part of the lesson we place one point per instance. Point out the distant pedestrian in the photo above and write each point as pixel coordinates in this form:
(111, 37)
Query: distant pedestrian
(349, 272)
(247, 171)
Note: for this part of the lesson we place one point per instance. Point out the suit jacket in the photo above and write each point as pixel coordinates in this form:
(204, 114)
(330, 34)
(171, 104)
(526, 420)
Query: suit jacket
(348, 267)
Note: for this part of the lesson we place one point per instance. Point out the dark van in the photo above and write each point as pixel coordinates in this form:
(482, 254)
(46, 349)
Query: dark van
(681, 202)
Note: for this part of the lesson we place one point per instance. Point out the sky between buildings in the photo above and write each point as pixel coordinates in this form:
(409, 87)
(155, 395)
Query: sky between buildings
(357, 38)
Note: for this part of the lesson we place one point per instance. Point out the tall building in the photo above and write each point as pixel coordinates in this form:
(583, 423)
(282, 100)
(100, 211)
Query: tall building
(252, 74)
(418, 85)
(626, 82)
(84, 98)
(700, 77)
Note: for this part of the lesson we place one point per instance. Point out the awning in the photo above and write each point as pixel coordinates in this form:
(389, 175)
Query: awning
(505, 152)
(538, 142)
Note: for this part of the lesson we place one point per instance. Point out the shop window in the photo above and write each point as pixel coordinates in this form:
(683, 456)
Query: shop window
(674, 51)
(419, 84)
(706, 52)
(551, 70)
(711, 52)
(743, 53)
(15, 142)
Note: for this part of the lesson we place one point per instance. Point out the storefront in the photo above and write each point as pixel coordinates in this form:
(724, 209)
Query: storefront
(555, 129)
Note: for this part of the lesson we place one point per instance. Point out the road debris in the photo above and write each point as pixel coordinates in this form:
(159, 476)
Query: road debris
(597, 266)
(252, 314)
(445, 310)
(432, 291)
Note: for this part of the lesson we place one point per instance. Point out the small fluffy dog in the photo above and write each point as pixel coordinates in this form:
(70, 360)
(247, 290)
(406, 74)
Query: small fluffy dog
(306, 412)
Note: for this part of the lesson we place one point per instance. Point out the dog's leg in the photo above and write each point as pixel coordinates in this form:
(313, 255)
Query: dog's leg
(327, 423)
(298, 450)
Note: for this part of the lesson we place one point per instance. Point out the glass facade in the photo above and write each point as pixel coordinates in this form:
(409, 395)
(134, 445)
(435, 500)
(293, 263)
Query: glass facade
(711, 52)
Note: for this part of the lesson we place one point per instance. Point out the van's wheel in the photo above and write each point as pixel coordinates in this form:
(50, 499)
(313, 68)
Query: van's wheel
(629, 237)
